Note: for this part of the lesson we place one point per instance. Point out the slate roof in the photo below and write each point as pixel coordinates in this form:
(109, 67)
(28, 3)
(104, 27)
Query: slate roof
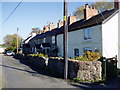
(27, 39)
(43, 45)
(95, 20)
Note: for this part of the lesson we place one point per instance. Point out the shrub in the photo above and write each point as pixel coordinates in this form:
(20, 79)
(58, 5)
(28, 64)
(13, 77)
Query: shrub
(118, 71)
(92, 56)
(57, 57)
(82, 58)
(32, 55)
(39, 55)
(89, 56)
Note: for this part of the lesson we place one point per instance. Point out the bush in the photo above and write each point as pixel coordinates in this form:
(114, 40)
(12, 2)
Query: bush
(118, 71)
(10, 48)
(92, 56)
(39, 55)
(57, 57)
(89, 56)
(82, 58)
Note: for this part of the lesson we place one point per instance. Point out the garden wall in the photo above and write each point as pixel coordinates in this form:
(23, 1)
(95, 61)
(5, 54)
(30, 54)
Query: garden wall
(82, 70)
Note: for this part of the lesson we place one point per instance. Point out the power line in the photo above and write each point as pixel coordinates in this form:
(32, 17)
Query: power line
(13, 11)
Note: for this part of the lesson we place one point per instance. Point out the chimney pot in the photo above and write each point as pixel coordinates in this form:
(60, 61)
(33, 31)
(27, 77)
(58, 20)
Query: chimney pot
(94, 8)
(59, 20)
(45, 28)
(86, 6)
(116, 4)
(51, 26)
(91, 7)
(60, 23)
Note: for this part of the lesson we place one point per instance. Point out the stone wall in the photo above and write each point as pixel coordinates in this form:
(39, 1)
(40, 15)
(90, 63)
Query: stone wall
(82, 70)
(37, 61)
(89, 70)
(56, 66)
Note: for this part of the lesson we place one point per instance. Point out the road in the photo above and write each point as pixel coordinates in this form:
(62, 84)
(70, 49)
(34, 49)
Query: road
(0, 72)
(18, 75)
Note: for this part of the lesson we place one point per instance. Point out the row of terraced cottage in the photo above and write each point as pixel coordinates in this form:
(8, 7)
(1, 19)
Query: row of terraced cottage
(96, 31)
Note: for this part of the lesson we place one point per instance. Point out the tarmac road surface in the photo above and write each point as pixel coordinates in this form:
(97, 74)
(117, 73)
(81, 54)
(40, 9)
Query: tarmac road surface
(17, 75)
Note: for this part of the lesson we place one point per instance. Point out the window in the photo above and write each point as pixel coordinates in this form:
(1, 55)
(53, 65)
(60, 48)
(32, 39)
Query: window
(53, 39)
(87, 34)
(87, 49)
(76, 52)
(44, 39)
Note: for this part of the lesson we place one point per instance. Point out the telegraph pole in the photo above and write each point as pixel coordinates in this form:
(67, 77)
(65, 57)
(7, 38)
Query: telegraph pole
(17, 40)
(65, 39)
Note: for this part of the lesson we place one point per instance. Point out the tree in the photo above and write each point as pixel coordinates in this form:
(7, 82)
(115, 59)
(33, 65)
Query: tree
(11, 41)
(100, 6)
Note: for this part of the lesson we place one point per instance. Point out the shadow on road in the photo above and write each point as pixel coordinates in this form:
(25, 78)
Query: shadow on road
(81, 85)
(89, 85)
(17, 68)
(112, 84)
(39, 70)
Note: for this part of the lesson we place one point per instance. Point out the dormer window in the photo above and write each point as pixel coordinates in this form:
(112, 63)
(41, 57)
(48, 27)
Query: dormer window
(87, 34)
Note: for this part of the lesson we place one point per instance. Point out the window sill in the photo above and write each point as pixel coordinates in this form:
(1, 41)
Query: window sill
(88, 40)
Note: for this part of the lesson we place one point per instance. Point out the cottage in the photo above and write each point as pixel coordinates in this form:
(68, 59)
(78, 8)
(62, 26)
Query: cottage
(95, 32)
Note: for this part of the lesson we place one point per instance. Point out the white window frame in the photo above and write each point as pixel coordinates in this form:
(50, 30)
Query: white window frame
(87, 34)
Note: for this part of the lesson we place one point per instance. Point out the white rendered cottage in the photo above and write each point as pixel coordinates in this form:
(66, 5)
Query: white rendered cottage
(95, 32)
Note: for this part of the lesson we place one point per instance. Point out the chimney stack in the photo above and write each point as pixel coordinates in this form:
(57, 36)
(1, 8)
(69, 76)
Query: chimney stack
(59, 24)
(51, 26)
(45, 28)
(89, 11)
(86, 6)
(116, 4)
(72, 19)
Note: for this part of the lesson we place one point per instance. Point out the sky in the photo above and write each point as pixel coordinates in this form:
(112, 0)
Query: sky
(31, 15)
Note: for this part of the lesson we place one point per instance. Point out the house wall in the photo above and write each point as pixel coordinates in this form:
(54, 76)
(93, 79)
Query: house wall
(76, 40)
(60, 45)
(110, 37)
(48, 39)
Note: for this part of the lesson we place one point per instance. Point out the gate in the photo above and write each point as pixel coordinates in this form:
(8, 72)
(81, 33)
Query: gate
(109, 68)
